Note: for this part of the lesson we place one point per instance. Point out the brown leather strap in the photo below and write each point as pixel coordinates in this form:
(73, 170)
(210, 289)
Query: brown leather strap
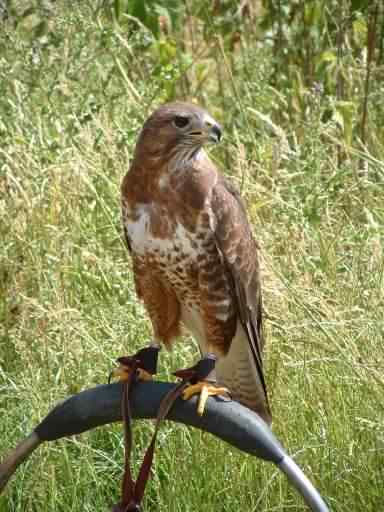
(133, 492)
(165, 407)
(128, 484)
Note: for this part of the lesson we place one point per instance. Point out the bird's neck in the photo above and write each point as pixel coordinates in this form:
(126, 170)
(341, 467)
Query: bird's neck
(185, 158)
(151, 176)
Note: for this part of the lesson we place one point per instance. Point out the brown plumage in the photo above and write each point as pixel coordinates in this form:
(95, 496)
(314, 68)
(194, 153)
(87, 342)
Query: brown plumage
(194, 258)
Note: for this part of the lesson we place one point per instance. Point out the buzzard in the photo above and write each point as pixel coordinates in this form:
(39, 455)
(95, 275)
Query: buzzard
(194, 257)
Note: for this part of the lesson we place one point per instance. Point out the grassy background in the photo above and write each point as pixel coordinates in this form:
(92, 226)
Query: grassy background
(71, 103)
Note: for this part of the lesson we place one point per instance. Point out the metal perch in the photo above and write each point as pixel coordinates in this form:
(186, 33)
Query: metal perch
(227, 420)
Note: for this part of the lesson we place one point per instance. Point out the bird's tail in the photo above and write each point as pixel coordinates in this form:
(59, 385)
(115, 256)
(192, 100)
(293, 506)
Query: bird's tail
(237, 371)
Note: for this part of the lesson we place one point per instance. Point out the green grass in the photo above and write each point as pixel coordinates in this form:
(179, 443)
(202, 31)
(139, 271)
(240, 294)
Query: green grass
(68, 122)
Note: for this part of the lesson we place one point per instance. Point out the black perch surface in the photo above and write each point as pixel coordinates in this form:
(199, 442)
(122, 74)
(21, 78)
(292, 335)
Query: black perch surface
(227, 420)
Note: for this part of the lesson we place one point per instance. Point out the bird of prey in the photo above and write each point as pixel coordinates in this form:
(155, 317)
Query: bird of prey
(194, 257)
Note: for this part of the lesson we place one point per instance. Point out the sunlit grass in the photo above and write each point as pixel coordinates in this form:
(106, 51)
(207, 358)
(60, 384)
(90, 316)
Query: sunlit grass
(67, 306)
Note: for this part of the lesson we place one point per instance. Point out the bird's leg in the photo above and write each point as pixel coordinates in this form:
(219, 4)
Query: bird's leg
(144, 363)
(202, 378)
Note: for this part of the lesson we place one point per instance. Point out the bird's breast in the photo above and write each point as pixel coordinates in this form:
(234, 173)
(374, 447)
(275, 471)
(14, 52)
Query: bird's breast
(152, 230)
(176, 252)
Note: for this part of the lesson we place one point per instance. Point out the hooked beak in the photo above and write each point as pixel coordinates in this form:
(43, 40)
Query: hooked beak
(214, 133)
(212, 129)
(206, 130)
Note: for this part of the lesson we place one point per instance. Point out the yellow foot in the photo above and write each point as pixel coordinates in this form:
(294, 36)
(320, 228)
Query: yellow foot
(205, 389)
(122, 373)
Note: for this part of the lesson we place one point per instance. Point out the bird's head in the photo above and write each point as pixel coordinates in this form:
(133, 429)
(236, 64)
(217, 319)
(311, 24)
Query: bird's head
(177, 130)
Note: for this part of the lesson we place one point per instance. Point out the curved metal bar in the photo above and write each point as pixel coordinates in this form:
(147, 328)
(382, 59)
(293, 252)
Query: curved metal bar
(227, 420)
(302, 484)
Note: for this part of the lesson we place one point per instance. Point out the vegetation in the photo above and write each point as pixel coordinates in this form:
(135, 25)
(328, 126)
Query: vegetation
(298, 87)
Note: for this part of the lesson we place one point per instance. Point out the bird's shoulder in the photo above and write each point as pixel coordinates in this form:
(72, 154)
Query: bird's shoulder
(233, 228)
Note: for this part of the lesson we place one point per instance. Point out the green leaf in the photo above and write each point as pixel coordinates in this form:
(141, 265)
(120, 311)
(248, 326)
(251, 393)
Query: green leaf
(328, 56)
(344, 116)
(360, 5)
(359, 27)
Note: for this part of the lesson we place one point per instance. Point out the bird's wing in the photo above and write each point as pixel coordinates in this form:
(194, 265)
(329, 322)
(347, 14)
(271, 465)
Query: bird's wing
(238, 251)
(126, 238)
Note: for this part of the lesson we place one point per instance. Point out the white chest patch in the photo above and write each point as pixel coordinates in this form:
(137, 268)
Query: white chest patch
(143, 241)
(138, 231)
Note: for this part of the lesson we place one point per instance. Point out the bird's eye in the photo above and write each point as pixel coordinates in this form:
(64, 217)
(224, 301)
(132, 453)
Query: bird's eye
(181, 121)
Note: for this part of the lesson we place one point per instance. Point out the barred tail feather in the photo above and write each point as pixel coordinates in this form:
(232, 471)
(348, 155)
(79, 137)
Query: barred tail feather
(238, 371)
